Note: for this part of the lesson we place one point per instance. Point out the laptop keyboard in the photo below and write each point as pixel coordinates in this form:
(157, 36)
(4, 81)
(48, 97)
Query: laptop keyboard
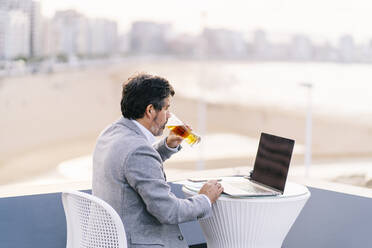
(249, 187)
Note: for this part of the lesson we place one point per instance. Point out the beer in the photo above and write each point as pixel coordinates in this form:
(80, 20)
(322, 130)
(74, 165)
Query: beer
(185, 133)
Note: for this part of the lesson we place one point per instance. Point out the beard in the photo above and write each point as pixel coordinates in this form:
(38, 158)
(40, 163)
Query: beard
(157, 129)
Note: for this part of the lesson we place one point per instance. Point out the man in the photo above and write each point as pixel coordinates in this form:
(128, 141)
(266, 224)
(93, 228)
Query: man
(128, 169)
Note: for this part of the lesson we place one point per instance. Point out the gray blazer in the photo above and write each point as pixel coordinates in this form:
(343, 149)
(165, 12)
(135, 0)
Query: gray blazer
(128, 174)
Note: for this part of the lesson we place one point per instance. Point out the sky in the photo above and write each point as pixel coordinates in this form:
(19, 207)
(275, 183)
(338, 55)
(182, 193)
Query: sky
(328, 19)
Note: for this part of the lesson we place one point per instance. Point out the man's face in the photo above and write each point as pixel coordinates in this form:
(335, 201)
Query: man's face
(161, 118)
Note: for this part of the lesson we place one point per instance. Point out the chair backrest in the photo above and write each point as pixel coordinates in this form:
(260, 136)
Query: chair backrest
(91, 222)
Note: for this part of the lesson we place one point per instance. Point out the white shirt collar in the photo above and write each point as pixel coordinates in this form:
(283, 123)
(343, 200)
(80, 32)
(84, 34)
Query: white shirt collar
(149, 136)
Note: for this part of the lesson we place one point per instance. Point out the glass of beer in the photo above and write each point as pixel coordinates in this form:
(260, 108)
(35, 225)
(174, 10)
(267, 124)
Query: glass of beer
(178, 127)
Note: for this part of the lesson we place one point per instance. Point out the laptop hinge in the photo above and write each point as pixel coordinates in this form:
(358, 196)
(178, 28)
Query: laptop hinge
(258, 184)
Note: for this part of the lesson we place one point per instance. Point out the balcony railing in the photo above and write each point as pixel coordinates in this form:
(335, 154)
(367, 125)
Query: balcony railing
(335, 216)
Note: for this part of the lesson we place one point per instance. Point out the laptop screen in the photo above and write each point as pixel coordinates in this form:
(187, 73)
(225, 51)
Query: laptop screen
(272, 161)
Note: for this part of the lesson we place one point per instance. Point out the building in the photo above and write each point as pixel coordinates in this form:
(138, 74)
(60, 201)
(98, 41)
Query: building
(325, 52)
(185, 45)
(103, 37)
(224, 43)
(69, 36)
(77, 35)
(31, 10)
(36, 21)
(261, 46)
(14, 34)
(301, 48)
(346, 48)
(149, 38)
(124, 43)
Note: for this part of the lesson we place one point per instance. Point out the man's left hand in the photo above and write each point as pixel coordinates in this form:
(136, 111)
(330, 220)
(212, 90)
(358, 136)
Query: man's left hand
(173, 140)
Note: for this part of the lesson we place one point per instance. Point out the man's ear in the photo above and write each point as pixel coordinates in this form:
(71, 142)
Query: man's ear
(150, 110)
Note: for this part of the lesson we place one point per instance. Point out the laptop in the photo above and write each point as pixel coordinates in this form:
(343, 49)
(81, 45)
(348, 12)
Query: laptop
(270, 169)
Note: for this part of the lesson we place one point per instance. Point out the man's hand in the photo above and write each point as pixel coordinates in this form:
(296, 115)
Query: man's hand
(212, 189)
(173, 140)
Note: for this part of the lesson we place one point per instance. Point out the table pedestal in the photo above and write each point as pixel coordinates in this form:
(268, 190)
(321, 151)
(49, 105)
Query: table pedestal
(242, 224)
(253, 222)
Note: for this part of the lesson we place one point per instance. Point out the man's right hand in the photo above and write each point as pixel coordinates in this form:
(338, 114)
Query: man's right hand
(212, 189)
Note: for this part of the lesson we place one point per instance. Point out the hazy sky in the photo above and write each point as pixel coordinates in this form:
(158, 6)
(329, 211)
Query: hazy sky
(318, 18)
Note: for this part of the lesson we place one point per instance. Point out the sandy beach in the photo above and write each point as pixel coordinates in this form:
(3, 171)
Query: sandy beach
(47, 119)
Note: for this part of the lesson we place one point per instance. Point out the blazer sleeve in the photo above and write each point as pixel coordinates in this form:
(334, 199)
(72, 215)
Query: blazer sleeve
(144, 174)
(163, 150)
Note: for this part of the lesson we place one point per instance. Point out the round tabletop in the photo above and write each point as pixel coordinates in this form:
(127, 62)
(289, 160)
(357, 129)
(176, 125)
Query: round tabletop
(291, 191)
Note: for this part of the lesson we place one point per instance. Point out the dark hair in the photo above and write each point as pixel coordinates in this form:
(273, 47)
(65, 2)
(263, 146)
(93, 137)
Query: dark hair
(141, 90)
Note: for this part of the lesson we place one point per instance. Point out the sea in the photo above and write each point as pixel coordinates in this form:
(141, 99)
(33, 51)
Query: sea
(327, 88)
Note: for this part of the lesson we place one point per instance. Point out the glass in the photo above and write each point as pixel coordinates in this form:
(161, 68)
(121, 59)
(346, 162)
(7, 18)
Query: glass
(178, 127)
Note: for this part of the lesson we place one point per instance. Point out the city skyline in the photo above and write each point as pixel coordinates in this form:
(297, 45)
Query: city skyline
(320, 19)
(69, 33)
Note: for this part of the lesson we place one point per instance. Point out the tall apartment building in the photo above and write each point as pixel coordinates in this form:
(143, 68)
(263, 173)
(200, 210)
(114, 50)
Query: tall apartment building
(78, 35)
(17, 13)
(347, 48)
(14, 34)
(36, 29)
(64, 24)
(103, 37)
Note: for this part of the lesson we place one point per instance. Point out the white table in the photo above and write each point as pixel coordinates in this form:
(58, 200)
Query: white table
(259, 222)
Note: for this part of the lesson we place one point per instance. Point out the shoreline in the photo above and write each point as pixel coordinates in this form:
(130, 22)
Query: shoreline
(46, 157)
(48, 119)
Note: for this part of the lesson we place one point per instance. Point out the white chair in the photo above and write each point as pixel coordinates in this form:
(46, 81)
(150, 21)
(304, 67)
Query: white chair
(91, 222)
